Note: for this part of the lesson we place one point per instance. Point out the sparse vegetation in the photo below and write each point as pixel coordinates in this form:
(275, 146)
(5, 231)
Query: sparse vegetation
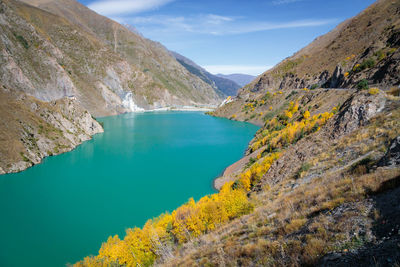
(22, 41)
(366, 64)
(363, 85)
(24, 158)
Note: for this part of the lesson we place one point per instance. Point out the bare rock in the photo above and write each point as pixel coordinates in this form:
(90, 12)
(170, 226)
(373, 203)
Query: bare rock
(392, 156)
(357, 111)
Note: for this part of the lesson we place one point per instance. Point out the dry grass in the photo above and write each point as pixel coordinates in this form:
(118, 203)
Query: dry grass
(297, 226)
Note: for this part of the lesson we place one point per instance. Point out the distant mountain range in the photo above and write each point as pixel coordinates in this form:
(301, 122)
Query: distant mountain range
(241, 79)
(225, 86)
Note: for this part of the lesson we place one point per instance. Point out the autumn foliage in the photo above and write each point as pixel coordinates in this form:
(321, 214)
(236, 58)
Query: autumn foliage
(143, 246)
(253, 174)
(278, 133)
(158, 237)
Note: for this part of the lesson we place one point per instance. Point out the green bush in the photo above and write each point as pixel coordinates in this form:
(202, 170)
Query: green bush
(380, 54)
(366, 64)
(22, 41)
(314, 86)
(304, 168)
(291, 94)
(363, 85)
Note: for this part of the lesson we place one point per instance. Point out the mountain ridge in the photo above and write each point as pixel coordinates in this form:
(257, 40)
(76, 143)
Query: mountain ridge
(164, 77)
(226, 86)
(241, 79)
(362, 51)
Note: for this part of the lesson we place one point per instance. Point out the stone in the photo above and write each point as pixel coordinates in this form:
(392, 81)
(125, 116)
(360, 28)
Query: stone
(392, 156)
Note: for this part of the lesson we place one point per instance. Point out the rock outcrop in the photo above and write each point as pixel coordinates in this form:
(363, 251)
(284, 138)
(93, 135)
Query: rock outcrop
(392, 156)
(357, 111)
(31, 129)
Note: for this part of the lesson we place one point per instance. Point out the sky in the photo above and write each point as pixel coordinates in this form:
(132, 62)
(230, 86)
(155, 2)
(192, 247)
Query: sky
(231, 36)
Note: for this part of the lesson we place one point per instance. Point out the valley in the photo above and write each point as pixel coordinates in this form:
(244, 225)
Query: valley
(298, 166)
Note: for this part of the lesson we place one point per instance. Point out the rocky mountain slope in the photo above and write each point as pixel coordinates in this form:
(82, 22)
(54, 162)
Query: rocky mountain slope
(319, 184)
(53, 50)
(323, 187)
(241, 79)
(31, 129)
(66, 49)
(361, 52)
(226, 86)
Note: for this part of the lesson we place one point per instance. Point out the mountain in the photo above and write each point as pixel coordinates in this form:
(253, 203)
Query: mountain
(319, 185)
(136, 66)
(54, 51)
(361, 52)
(226, 86)
(241, 79)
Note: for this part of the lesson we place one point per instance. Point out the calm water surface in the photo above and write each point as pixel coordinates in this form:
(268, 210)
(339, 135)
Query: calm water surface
(144, 164)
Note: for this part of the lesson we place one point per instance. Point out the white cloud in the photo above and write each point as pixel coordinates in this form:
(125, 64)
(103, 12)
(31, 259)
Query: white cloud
(212, 24)
(265, 26)
(119, 7)
(283, 2)
(216, 19)
(231, 69)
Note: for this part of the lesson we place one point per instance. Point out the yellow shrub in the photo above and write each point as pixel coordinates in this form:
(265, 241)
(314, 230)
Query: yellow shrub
(252, 175)
(140, 246)
(373, 91)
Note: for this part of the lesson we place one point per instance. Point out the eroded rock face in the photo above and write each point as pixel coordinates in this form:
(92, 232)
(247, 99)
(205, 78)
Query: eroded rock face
(337, 77)
(31, 129)
(357, 111)
(392, 156)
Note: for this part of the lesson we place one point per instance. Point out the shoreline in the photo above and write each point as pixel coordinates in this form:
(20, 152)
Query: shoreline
(217, 177)
(184, 108)
(178, 109)
(221, 176)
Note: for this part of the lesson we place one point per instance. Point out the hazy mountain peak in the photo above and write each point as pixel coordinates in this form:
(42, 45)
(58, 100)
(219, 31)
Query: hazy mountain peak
(241, 79)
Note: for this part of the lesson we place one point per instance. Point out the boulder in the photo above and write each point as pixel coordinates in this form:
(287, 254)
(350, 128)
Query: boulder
(392, 156)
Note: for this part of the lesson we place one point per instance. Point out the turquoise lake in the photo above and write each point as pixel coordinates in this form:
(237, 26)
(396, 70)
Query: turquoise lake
(144, 164)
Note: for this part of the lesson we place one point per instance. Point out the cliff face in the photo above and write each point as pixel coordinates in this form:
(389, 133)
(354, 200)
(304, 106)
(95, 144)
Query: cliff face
(31, 129)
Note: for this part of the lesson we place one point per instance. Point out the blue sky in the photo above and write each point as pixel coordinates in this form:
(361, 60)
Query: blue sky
(231, 36)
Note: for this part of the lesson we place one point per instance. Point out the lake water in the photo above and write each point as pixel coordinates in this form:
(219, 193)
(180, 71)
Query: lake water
(143, 165)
